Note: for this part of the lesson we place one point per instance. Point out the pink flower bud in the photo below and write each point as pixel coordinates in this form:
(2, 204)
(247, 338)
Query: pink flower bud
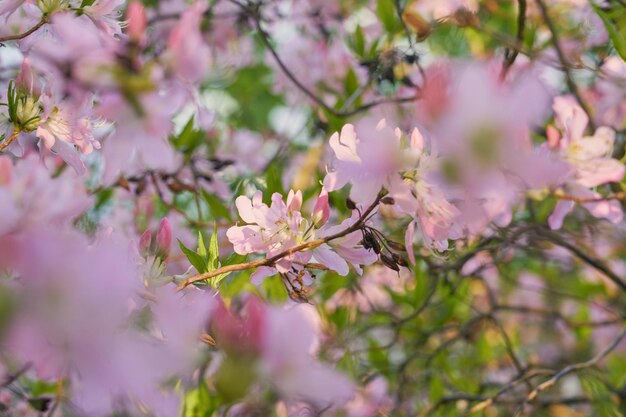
(25, 80)
(321, 211)
(137, 22)
(144, 242)
(164, 237)
(417, 140)
(553, 136)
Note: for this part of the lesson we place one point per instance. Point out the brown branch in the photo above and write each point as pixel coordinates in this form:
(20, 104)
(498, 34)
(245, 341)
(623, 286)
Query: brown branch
(584, 256)
(566, 66)
(299, 248)
(266, 39)
(615, 196)
(14, 135)
(570, 369)
(43, 21)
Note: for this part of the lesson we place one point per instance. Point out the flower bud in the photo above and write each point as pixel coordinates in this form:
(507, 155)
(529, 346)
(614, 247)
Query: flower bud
(164, 238)
(321, 211)
(25, 81)
(137, 22)
(144, 242)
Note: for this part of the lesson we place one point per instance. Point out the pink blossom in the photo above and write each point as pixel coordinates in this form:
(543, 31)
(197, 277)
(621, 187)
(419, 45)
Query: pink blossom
(138, 142)
(137, 22)
(190, 55)
(274, 229)
(369, 161)
(288, 362)
(30, 198)
(590, 158)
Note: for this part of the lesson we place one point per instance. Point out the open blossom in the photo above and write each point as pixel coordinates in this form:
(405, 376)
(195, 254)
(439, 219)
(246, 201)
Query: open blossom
(76, 321)
(105, 14)
(281, 226)
(590, 158)
(283, 359)
(60, 128)
(190, 55)
(138, 142)
(368, 161)
(422, 196)
(30, 198)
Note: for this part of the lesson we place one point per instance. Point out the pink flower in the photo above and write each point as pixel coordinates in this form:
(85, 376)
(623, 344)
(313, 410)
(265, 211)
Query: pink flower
(139, 141)
(9, 7)
(282, 342)
(30, 198)
(76, 320)
(105, 15)
(422, 196)
(190, 55)
(281, 226)
(288, 362)
(137, 22)
(321, 211)
(368, 162)
(590, 158)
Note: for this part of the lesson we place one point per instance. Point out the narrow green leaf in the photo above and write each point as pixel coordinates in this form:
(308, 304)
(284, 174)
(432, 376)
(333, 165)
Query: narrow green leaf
(213, 254)
(202, 248)
(386, 11)
(616, 33)
(217, 207)
(196, 260)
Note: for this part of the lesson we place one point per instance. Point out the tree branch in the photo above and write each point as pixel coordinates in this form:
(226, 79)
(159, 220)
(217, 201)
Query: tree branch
(43, 21)
(570, 369)
(566, 67)
(265, 38)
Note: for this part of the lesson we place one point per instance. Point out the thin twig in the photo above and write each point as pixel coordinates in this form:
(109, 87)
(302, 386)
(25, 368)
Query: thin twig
(42, 21)
(586, 257)
(14, 135)
(566, 66)
(570, 369)
(265, 38)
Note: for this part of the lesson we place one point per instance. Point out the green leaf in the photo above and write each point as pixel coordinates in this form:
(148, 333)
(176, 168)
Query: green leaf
(616, 32)
(274, 289)
(386, 11)
(253, 88)
(189, 138)
(195, 259)
(217, 207)
(87, 3)
(199, 403)
(447, 39)
(358, 42)
(201, 247)
(214, 251)
(274, 180)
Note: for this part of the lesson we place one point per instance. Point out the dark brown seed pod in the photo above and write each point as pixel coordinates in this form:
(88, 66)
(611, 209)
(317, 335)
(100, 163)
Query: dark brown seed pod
(396, 246)
(389, 262)
(400, 260)
(351, 205)
(388, 200)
